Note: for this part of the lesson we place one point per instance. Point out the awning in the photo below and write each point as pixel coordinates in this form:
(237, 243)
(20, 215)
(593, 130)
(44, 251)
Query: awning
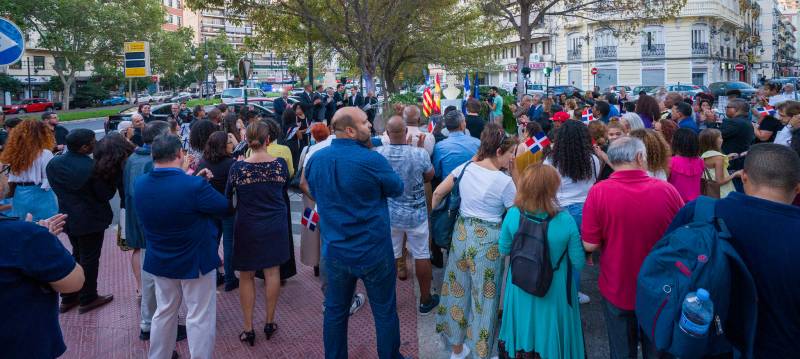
(35, 80)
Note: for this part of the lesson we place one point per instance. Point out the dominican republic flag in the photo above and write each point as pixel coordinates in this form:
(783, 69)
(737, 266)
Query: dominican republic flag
(291, 132)
(587, 116)
(538, 142)
(766, 111)
(310, 219)
(431, 124)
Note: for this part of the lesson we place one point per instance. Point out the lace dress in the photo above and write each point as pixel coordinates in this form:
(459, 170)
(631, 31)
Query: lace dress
(260, 235)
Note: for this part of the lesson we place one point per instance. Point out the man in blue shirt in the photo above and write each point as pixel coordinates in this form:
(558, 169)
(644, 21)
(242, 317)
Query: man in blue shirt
(456, 149)
(764, 227)
(682, 115)
(351, 184)
(177, 213)
(601, 111)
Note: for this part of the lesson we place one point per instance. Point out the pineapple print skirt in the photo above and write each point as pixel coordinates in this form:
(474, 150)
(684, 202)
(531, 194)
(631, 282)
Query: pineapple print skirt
(470, 291)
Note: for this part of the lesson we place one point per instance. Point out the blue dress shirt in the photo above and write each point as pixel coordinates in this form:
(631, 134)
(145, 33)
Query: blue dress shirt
(177, 213)
(689, 123)
(451, 152)
(351, 185)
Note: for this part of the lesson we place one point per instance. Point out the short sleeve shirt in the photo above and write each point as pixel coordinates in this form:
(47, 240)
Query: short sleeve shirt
(408, 210)
(498, 111)
(770, 124)
(30, 258)
(485, 194)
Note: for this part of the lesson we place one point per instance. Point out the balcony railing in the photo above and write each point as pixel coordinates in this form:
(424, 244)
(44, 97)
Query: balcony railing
(573, 54)
(653, 50)
(605, 52)
(699, 49)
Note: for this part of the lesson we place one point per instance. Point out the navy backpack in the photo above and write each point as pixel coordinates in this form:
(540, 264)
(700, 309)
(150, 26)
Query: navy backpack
(697, 255)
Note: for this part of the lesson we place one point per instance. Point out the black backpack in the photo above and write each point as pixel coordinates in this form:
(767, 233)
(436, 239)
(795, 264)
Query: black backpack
(530, 258)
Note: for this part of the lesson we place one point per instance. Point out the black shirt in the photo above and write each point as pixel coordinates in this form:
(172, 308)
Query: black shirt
(61, 133)
(475, 125)
(219, 170)
(770, 123)
(737, 135)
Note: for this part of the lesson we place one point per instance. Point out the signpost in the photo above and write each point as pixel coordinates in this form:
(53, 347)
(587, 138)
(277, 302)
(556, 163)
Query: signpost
(12, 43)
(739, 67)
(137, 61)
(594, 78)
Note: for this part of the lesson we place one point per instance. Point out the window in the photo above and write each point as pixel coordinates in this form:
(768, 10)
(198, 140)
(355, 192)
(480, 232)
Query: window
(38, 62)
(179, 20)
(16, 66)
(699, 34)
(545, 47)
(514, 52)
(652, 36)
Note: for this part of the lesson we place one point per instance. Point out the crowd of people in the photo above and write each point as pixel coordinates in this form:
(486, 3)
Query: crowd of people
(585, 173)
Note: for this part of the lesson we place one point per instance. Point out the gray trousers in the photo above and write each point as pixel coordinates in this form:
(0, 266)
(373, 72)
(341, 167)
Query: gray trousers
(200, 296)
(148, 291)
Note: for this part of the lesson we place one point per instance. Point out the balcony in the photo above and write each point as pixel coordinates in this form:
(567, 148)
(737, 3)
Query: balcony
(574, 54)
(605, 52)
(700, 49)
(653, 50)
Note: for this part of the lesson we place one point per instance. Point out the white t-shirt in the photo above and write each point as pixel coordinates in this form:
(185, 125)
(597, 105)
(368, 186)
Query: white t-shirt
(316, 147)
(485, 194)
(660, 174)
(784, 136)
(572, 192)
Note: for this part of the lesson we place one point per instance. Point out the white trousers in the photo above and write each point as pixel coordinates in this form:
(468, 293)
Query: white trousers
(201, 318)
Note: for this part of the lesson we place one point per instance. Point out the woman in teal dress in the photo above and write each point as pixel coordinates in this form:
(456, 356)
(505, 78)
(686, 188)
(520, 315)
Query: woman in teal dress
(542, 327)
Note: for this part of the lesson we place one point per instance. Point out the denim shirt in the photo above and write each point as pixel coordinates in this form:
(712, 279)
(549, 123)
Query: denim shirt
(453, 151)
(351, 185)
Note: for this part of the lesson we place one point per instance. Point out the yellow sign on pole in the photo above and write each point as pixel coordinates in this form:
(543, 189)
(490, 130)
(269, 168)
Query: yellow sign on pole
(137, 59)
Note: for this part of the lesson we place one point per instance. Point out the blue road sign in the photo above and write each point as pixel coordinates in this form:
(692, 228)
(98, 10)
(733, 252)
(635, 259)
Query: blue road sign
(12, 43)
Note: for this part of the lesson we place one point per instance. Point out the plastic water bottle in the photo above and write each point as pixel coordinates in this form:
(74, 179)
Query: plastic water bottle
(697, 313)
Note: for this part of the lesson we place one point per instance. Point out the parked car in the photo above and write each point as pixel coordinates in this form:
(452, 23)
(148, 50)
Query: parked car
(566, 89)
(162, 96)
(143, 98)
(236, 94)
(29, 105)
(536, 89)
(721, 88)
(159, 111)
(263, 107)
(115, 100)
(650, 90)
(181, 97)
(687, 90)
(615, 89)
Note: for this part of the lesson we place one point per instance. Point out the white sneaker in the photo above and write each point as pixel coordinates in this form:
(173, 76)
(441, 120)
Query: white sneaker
(464, 353)
(583, 298)
(358, 301)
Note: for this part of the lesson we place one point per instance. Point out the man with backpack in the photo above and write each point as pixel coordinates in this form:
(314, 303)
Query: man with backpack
(763, 227)
(625, 216)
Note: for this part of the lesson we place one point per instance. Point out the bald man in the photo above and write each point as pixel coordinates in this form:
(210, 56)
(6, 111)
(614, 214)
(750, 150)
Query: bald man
(408, 213)
(351, 185)
(412, 117)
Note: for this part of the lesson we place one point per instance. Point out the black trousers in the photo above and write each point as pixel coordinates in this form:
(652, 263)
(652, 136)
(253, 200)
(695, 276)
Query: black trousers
(86, 251)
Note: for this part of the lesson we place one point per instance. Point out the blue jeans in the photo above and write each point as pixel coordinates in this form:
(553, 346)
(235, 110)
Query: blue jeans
(227, 248)
(624, 335)
(576, 211)
(379, 280)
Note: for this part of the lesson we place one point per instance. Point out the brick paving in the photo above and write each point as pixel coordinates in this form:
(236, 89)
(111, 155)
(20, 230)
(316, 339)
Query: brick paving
(112, 331)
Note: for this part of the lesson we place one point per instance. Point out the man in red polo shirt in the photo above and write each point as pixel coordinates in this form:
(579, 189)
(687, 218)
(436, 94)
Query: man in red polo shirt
(624, 216)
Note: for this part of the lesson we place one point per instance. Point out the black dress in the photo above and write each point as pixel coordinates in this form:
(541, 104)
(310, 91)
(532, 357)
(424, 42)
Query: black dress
(260, 230)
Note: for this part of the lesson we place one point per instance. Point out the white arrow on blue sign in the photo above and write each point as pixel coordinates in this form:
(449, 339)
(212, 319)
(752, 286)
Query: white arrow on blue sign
(12, 43)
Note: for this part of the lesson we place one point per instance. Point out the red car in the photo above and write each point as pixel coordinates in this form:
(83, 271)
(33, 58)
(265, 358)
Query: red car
(29, 105)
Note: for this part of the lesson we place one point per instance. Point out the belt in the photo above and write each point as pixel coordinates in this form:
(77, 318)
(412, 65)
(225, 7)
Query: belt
(25, 184)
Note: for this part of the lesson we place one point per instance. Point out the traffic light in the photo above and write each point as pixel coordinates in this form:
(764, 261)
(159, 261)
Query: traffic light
(547, 71)
(526, 70)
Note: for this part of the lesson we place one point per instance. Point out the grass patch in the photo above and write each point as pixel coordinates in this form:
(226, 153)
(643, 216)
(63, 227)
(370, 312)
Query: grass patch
(202, 101)
(82, 115)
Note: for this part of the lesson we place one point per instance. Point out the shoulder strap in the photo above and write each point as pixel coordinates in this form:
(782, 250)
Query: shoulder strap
(704, 209)
(458, 179)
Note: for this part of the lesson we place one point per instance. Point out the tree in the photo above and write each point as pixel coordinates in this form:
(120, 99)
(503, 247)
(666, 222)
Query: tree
(85, 32)
(10, 84)
(373, 35)
(526, 17)
(171, 57)
(212, 55)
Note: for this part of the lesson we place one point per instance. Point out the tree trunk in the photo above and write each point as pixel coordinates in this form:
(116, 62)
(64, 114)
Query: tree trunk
(67, 81)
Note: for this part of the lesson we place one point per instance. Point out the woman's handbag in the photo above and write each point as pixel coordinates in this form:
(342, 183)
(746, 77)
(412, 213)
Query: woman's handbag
(708, 186)
(443, 217)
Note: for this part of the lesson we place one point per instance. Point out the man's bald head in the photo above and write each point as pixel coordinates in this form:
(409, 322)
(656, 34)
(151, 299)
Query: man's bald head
(346, 117)
(396, 130)
(411, 114)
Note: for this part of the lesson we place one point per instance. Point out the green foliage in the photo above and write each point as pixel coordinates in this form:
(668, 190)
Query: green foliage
(408, 98)
(202, 101)
(171, 58)
(89, 95)
(509, 122)
(54, 84)
(10, 84)
(82, 115)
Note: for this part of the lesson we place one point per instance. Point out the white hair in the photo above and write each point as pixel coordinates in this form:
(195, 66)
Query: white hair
(124, 125)
(625, 149)
(633, 120)
(139, 115)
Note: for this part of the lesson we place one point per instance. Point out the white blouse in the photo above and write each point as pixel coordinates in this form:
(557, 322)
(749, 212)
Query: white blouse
(36, 172)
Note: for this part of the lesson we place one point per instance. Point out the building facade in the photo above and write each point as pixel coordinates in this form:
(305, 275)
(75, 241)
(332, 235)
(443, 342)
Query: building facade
(703, 44)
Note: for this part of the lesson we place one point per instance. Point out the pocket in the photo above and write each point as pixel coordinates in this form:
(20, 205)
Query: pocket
(687, 346)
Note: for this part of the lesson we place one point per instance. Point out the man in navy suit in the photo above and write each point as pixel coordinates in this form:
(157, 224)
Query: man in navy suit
(177, 213)
(355, 98)
(281, 104)
(307, 96)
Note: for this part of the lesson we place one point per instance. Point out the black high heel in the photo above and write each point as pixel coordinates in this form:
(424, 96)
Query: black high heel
(270, 329)
(249, 337)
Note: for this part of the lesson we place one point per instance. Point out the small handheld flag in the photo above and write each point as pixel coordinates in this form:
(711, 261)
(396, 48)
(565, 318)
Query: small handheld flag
(587, 116)
(431, 123)
(310, 219)
(766, 111)
(291, 133)
(538, 142)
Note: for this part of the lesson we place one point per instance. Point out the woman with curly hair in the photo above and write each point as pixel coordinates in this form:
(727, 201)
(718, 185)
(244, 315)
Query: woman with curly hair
(27, 152)
(658, 152)
(573, 156)
(198, 136)
(648, 110)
